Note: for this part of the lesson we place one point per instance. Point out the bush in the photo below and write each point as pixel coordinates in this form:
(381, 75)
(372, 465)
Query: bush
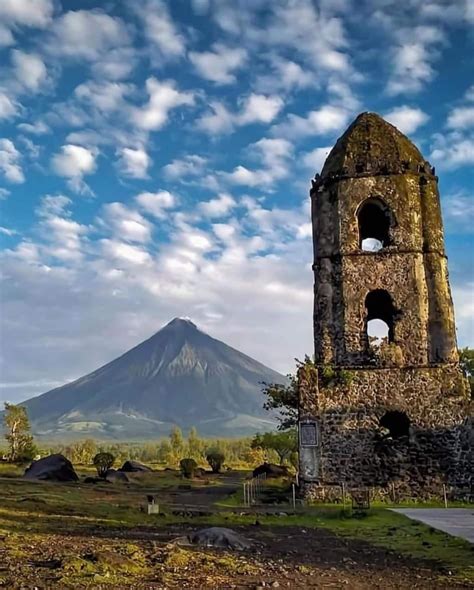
(103, 462)
(215, 459)
(188, 467)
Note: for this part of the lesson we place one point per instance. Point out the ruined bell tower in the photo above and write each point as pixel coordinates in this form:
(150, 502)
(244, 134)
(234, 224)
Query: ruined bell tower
(386, 405)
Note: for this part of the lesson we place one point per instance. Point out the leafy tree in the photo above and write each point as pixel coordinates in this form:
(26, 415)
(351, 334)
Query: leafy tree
(284, 443)
(83, 451)
(284, 398)
(188, 467)
(103, 462)
(177, 444)
(20, 441)
(194, 444)
(215, 459)
(466, 358)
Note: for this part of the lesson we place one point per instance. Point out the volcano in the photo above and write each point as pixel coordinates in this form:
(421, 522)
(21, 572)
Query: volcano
(180, 376)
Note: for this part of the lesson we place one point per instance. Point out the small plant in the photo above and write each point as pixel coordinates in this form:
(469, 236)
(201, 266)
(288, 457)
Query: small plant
(332, 377)
(215, 459)
(103, 462)
(188, 467)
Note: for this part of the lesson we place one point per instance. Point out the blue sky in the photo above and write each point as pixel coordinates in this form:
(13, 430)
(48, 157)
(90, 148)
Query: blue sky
(155, 160)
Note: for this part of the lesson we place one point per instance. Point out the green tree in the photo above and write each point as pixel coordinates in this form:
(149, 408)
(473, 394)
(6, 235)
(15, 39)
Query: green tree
(177, 444)
(194, 444)
(215, 459)
(83, 451)
(188, 467)
(284, 398)
(284, 443)
(466, 359)
(103, 462)
(18, 436)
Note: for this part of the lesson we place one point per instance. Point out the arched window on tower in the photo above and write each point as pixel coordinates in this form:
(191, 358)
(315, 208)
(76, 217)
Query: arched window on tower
(380, 318)
(374, 219)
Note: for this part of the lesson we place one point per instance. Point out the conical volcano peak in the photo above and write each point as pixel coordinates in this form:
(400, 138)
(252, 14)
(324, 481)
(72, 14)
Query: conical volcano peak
(181, 321)
(373, 146)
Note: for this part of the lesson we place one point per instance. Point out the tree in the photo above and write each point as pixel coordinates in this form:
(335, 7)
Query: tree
(284, 443)
(284, 398)
(18, 435)
(177, 444)
(103, 462)
(188, 467)
(194, 444)
(215, 459)
(466, 359)
(83, 451)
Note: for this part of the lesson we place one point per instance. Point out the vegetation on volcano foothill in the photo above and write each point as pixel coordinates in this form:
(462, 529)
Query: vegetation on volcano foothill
(215, 459)
(21, 447)
(284, 443)
(103, 462)
(188, 467)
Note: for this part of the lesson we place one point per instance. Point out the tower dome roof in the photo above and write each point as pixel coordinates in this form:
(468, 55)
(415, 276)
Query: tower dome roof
(371, 145)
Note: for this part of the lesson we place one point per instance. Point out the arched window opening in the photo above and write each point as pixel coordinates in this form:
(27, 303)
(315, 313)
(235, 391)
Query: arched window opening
(380, 320)
(397, 423)
(378, 332)
(374, 225)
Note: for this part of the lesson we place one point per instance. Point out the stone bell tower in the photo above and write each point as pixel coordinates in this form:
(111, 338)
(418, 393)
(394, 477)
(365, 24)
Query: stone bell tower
(387, 400)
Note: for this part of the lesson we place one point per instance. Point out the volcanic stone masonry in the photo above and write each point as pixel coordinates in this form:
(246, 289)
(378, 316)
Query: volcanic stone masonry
(390, 411)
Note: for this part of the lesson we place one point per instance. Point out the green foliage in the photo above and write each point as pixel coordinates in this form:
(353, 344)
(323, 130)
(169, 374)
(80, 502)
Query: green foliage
(177, 444)
(215, 459)
(466, 359)
(188, 467)
(284, 443)
(82, 452)
(103, 462)
(195, 448)
(21, 447)
(284, 398)
(332, 377)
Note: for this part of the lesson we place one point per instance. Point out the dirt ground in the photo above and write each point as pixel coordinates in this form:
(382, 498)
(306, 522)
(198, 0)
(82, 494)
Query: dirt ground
(285, 557)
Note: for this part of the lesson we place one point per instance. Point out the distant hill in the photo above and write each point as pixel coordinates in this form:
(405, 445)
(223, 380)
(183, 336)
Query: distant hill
(180, 376)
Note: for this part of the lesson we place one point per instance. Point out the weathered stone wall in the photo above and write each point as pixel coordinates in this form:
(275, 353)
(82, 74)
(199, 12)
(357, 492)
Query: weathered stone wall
(357, 450)
(417, 373)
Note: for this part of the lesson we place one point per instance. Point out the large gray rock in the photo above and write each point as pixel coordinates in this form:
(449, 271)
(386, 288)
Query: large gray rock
(271, 470)
(52, 468)
(219, 537)
(114, 476)
(134, 467)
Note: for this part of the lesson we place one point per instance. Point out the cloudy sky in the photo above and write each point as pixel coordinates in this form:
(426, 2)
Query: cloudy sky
(155, 160)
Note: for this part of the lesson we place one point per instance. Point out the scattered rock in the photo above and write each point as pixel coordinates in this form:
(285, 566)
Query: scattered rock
(114, 476)
(134, 467)
(216, 537)
(52, 468)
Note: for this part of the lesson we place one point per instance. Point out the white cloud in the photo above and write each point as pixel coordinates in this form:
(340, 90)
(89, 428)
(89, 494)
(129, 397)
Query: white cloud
(36, 128)
(181, 169)
(258, 108)
(8, 108)
(163, 98)
(156, 203)
(29, 69)
(286, 75)
(219, 207)
(125, 253)
(314, 160)
(116, 64)
(28, 13)
(87, 34)
(406, 118)
(218, 121)
(10, 162)
(134, 163)
(255, 108)
(127, 224)
(461, 117)
(327, 119)
(6, 231)
(219, 64)
(105, 96)
(453, 150)
(458, 212)
(74, 160)
(160, 29)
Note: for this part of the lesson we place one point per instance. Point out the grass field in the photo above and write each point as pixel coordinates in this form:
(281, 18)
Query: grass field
(48, 530)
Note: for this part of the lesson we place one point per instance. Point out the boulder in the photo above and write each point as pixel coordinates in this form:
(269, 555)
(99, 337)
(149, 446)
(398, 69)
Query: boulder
(134, 467)
(114, 476)
(52, 468)
(218, 537)
(271, 470)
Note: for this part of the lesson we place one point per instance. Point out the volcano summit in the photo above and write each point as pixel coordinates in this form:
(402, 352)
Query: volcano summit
(180, 376)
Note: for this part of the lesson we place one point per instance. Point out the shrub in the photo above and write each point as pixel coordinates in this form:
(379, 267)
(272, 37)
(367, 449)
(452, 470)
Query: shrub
(103, 462)
(215, 459)
(188, 467)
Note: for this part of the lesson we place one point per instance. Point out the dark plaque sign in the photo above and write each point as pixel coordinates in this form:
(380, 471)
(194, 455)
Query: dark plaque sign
(308, 434)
